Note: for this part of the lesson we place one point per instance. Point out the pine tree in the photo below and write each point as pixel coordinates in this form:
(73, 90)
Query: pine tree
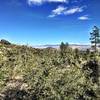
(95, 38)
(62, 48)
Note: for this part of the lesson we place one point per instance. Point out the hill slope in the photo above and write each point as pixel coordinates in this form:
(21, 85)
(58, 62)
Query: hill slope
(27, 73)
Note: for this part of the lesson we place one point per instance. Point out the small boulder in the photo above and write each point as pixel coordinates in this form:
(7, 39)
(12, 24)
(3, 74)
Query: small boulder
(3, 41)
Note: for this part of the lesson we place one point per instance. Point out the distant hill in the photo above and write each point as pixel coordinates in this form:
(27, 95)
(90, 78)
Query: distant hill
(80, 47)
(73, 46)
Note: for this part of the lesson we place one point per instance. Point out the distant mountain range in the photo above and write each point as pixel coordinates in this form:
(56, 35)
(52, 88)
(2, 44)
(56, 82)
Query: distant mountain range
(73, 46)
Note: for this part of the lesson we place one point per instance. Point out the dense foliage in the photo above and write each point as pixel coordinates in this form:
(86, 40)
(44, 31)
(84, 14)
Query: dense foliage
(27, 73)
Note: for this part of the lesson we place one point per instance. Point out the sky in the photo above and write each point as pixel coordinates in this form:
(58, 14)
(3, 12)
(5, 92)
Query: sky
(41, 22)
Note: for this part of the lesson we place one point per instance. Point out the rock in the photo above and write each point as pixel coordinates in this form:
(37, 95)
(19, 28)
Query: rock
(24, 86)
(18, 77)
(5, 42)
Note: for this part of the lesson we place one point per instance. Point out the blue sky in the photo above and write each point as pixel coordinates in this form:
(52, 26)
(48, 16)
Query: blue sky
(38, 22)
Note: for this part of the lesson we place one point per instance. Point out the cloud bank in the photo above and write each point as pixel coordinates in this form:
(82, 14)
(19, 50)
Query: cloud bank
(61, 9)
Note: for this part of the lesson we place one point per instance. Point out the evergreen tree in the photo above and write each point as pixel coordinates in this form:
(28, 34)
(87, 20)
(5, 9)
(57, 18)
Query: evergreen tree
(95, 38)
(62, 48)
(67, 44)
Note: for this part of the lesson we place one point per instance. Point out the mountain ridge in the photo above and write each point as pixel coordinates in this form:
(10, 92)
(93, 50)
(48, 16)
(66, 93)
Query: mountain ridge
(73, 46)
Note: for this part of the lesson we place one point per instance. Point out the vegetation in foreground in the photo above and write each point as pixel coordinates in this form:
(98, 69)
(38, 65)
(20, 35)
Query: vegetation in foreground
(48, 74)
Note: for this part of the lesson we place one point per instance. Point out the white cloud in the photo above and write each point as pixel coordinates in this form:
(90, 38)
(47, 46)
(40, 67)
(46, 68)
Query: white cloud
(58, 11)
(56, 0)
(61, 10)
(35, 2)
(39, 2)
(85, 17)
(74, 10)
(53, 15)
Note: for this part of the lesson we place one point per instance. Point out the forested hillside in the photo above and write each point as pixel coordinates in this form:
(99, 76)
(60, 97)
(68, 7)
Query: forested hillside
(27, 73)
